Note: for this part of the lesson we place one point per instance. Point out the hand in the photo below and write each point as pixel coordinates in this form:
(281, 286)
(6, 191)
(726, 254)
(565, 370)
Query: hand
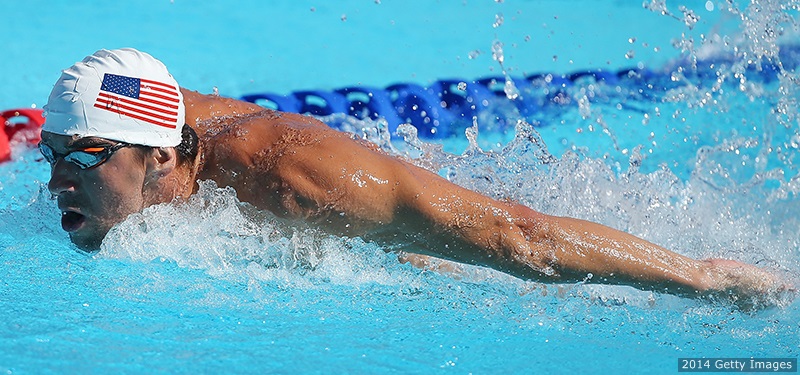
(747, 286)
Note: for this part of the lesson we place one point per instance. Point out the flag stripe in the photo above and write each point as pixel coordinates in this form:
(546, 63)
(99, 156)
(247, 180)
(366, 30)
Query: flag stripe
(123, 108)
(116, 110)
(150, 107)
(133, 109)
(169, 92)
(148, 100)
(162, 97)
(158, 84)
(168, 105)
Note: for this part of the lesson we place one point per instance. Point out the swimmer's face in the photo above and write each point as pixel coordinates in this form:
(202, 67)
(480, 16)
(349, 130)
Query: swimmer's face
(94, 199)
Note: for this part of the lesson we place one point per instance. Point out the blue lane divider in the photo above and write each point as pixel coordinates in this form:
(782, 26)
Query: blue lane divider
(421, 107)
(437, 110)
(370, 103)
(279, 102)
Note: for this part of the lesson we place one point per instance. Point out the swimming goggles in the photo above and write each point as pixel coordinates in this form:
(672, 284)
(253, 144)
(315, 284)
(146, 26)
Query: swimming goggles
(85, 158)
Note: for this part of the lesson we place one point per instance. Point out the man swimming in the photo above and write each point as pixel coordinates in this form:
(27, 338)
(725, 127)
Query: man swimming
(121, 135)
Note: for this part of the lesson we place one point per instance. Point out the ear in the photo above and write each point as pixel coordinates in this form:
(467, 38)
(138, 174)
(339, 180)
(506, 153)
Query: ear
(160, 162)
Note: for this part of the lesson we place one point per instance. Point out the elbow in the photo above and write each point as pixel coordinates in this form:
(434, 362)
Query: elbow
(526, 245)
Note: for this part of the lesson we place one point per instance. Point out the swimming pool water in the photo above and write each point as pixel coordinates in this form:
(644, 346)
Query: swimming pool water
(211, 286)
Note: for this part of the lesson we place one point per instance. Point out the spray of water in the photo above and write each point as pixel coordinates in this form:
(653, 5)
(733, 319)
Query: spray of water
(215, 232)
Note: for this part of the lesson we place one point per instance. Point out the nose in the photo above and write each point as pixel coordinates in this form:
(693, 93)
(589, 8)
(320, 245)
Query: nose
(63, 177)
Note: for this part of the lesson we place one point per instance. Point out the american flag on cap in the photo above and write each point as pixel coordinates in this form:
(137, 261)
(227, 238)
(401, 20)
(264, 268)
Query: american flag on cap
(142, 99)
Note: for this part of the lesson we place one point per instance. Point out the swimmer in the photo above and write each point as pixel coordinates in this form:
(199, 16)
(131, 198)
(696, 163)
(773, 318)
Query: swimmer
(121, 135)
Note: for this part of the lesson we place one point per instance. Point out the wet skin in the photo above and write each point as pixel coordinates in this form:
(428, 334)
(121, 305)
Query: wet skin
(302, 170)
(93, 200)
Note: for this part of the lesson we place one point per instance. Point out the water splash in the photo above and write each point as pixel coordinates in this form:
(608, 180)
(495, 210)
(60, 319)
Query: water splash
(689, 18)
(215, 232)
(509, 88)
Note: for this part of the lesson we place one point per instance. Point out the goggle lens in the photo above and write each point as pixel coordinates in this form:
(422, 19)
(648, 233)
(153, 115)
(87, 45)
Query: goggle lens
(86, 158)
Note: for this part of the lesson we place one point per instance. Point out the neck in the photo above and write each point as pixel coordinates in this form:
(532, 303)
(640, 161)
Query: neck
(191, 184)
(180, 183)
(186, 180)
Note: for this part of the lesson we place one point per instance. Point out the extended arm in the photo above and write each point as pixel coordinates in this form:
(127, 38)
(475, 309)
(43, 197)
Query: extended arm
(468, 227)
(299, 168)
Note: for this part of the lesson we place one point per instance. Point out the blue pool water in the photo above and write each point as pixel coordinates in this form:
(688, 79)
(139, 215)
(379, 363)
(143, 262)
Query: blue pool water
(704, 168)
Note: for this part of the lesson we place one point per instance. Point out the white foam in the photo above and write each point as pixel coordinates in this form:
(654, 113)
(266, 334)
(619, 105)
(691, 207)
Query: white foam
(215, 232)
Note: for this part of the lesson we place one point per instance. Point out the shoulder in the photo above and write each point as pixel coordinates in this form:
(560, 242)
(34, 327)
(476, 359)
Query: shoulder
(225, 120)
(265, 129)
(250, 140)
(201, 107)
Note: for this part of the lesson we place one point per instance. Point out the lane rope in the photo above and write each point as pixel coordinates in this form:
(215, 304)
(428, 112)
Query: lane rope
(447, 105)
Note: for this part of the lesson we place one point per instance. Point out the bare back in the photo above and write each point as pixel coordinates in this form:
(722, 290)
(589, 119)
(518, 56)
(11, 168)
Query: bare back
(294, 165)
(300, 169)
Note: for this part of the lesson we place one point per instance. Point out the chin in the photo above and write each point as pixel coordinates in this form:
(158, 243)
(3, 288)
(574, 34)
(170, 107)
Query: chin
(87, 243)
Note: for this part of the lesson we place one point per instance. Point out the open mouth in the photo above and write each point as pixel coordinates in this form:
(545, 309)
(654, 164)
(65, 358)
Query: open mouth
(71, 221)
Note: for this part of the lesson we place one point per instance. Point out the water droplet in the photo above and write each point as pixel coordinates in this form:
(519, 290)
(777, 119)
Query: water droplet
(497, 51)
(498, 20)
(630, 54)
(511, 90)
(462, 86)
(795, 141)
(584, 108)
(689, 17)
(658, 6)
(344, 17)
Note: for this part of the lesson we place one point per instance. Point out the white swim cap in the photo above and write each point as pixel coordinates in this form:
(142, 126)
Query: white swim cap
(123, 95)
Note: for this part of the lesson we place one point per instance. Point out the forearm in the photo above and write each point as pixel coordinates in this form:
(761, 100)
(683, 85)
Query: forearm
(595, 253)
(529, 245)
(464, 226)
(467, 227)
